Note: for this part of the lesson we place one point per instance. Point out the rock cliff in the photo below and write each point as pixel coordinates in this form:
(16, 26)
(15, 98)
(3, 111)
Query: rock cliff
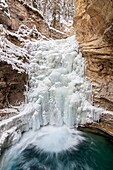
(94, 30)
(18, 22)
(16, 13)
(13, 70)
(12, 85)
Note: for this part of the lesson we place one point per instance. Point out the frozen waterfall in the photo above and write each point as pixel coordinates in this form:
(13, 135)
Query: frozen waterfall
(58, 95)
(59, 92)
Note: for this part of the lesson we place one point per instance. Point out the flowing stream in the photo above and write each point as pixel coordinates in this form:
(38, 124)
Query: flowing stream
(60, 97)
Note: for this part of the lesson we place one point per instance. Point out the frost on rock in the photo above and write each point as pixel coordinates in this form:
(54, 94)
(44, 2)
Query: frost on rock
(29, 3)
(11, 129)
(4, 7)
(29, 33)
(11, 53)
(10, 137)
(57, 13)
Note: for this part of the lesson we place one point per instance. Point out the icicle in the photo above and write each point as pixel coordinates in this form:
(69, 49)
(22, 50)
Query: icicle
(57, 80)
(37, 116)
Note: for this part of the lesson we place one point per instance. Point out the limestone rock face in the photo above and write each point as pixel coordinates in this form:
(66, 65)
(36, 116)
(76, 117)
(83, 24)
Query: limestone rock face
(19, 13)
(94, 30)
(12, 85)
(13, 70)
(18, 22)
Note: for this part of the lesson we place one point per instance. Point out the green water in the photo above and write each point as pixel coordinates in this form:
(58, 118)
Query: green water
(94, 153)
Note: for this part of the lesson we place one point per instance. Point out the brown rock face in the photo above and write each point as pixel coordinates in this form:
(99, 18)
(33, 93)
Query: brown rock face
(94, 31)
(13, 73)
(23, 14)
(20, 14)
(12, 86)
(27, 23)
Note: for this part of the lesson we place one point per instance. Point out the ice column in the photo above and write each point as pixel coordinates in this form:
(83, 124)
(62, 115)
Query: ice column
(59, 92)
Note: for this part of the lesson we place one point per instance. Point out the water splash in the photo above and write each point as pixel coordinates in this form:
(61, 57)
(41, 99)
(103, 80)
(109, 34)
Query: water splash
(48, 140)
(76, 150)
(57, 139)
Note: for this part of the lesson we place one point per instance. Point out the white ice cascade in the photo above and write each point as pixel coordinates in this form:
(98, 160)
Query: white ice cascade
(59, 92)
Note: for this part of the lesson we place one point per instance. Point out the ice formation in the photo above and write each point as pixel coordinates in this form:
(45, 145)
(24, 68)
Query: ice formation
(59, 92)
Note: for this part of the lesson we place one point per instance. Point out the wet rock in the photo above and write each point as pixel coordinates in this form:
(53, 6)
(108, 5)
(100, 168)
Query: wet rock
(103, 127)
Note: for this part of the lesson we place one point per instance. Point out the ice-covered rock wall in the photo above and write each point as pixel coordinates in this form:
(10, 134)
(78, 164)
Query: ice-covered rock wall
(57, 13)
(59, 92)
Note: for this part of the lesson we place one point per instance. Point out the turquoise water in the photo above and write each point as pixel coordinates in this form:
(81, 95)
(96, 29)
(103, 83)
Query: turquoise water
(93, 153)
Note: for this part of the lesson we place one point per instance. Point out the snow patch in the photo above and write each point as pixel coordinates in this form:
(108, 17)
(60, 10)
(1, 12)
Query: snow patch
(11, 53)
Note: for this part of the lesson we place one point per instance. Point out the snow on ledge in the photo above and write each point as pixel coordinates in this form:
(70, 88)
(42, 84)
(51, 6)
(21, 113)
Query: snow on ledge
(11, 53)
(32, 8)
(60, 32)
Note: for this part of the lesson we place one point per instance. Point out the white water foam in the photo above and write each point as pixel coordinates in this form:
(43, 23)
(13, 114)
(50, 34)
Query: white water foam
(57, 139)
(48, 139)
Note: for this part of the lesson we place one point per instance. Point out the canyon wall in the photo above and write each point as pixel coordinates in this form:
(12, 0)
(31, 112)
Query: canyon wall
(94, 31)
(12, 85)
(57, 13)
(19, 22)
(15, 13)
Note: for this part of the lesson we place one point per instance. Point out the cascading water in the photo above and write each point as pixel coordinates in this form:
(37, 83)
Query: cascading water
(60, 97)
